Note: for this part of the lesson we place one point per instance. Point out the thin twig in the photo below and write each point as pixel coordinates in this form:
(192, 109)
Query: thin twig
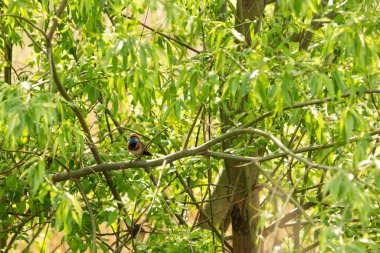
(26, 249)
(88, 205)
(165, 35)
(151, 176)
(27, 21)
(192, 126)
(305, 104)
(290, 198)
(18, 230)
(310, 247)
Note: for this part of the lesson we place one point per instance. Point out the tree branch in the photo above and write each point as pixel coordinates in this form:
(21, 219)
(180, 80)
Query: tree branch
(287, 217)
(91, 144)
(58, 14)
(151, 176)
(27, 21)
(305, 104)
(178, 155)
(314, 148)
(192, 126)
(165, 35)
(155, 31)
(311, 247)
(88, 205)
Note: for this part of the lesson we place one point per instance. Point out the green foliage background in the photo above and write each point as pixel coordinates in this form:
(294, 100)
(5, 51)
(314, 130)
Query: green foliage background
(325, 97)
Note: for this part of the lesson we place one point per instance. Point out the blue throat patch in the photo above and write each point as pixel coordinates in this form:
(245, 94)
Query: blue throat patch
(132, 143)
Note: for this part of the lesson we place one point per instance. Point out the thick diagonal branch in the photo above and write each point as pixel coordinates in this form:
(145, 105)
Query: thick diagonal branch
(76, 110)
(179, 155)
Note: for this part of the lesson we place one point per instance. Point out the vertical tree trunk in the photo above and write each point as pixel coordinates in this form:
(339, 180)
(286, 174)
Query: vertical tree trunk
(243, 205)
(7, 51)
(249, 13)
(244, 202)
(8, 62)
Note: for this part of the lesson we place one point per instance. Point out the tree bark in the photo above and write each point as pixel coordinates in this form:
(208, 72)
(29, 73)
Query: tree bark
(8, 62)
(240, 208)
(7, 52)
(244, 212)
(249, 12)
(244, 209)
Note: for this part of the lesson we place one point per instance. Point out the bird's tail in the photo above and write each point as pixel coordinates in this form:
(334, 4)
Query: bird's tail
(147, 153)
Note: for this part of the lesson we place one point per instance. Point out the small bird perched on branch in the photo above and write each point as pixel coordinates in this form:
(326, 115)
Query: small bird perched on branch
(136, 147)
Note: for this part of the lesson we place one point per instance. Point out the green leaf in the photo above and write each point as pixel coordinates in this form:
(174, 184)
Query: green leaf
(36, 175)
(316, 84)
(238, 35)
(112, 217)
(360, 151)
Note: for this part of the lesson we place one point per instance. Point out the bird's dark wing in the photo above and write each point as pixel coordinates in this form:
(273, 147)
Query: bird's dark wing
(147, 153)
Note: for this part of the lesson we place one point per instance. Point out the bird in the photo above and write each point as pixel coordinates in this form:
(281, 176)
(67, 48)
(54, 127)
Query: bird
(136, 147)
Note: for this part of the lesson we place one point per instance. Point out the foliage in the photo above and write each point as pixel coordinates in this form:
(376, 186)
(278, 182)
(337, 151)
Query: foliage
(122, 63)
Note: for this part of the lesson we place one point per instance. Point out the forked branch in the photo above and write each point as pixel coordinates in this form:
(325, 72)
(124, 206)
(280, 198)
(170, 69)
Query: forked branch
(200, 150)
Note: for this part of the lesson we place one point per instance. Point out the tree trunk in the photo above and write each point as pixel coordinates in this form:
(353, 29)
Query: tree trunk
(241, 208)
(249, 12)
(8, 64)
(7, 52)
(245, 203)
